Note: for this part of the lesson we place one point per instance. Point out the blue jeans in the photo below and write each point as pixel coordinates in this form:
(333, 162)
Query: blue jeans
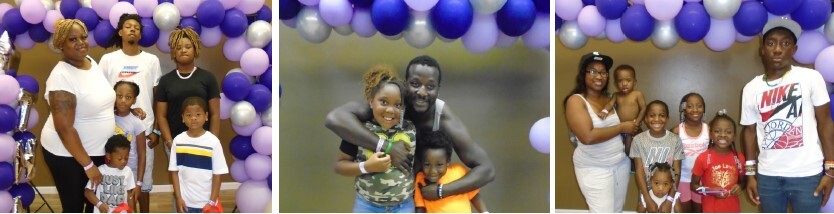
(193, 210)
(776, 192)
(364, 206)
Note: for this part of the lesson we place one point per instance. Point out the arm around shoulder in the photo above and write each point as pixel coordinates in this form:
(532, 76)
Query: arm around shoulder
(470, 153)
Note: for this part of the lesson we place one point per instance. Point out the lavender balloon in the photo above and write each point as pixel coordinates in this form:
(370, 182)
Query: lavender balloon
(258, 166)
(613, 31)
(361, 22)
(823, 63)
(9, 88)
(234, 47)
(250, 6)
(539, 35)
(253, 196)
(6, 202)
(229, 4)
(721, 35)
(482, 35)
(145, 7)
(211, 36)
(664, 10)
(336, 12)
(504, 40)
(421, 5)
(742, 38)
(262, 140)
(568, 9)
(117, 11)
(187, 7)
(102, 7)
(33, 11)
(540, 135)
(24, 41)
(591, 23)
(7, 148)
(52, 16)
(162, 43)
(809, 45)
(247, 130)
(225, 106)
(238, 171)
(5, 7)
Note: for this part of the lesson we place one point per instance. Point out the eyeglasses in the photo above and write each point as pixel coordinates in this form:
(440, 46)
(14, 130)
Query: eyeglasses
(597, 73)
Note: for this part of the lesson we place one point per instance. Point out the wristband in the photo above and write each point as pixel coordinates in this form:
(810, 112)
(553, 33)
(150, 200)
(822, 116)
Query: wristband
(89, 166)
(829, 175)
(138, 183)
(750, 170)
(388, 150)
(605, 111)
(379, 144)
(670, 199)
(157, 132)
(98, 205)
(212, 203)
(750, 162)
(440, 191)
(362, 168)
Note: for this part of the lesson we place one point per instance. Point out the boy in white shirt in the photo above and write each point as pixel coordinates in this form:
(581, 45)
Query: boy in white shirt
(117, 181)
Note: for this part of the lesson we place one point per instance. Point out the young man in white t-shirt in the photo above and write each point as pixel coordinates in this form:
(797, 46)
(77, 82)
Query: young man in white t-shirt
(117, 181)
(787, 128)
(132, 64)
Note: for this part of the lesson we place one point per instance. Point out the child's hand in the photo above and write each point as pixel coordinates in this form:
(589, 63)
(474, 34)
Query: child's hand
(180, 205)
(104, 208)
(154, 140)
(735, 190)
(629, 127)
(134, 195)
(206, 207)
(651, 207)
(378, 162)
(138, 112)
(721, 195)
(602, 115)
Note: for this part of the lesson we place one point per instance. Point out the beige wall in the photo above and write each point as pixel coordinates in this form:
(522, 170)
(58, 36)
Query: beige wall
(39, 61)
(664, 75)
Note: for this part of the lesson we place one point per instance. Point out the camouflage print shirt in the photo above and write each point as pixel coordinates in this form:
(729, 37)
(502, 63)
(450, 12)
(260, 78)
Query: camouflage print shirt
(393, 186)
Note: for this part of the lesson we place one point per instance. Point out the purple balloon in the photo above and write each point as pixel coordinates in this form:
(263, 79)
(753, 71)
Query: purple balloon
(238, 171)
(32, 11)
(253, 196)
(247, 130)
(38, 33)
(540, 135)
(236, 86)
(266, 78)
(336, 13)
(91, 38)
(145, 7)
(211, 36)
(11, 72)
(693, 22)
(8, 118)
(234, 23)
(742, 38)
(584, 2)
(9, 89)
(34, 118)
(210, 13)
(25, 192)
(88, 17)
(69, 8)
(128, 1)
(52, 16)
(250, 6)
(636, 23)
(269, 181)
(721, 35)
(150, 34)
(362, 23)
(590, 22)
(225, 106)
(750, 18)
(482, 35)
(611, 9)
(539, 35)
(822, 64)
(5, 7)
(664, 10)
(268, 49)
(7, 148)
(187, 7)
(234, 47)
(254, 61)
(390, 17)
(366, 4)
(262, 140)
(568, 9)
(516, 17)
(229, 4)
(24, 41)
(260, 97)
(265, 14)
(102, 7)
(812, 14)
(781, 7)
(192, 23)
(103, 32)
(288, 9)
(117, 10)
(6, 175)
(543, 6)
(421, 5)
(241, 147)
(809, 45)
(28, 83)
(258, 166)
(14, 23)
(162, 43)
(613, 31)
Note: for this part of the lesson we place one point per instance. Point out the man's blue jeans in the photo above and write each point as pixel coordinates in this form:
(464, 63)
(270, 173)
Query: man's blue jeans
(776, 192)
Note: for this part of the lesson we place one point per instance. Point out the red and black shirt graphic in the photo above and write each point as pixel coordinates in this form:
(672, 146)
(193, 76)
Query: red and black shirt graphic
(781, 111)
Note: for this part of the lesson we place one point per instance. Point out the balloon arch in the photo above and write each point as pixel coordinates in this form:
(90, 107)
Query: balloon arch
(247, 91)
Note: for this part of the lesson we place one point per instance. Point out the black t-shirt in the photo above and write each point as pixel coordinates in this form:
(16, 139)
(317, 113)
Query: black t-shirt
(174, 90)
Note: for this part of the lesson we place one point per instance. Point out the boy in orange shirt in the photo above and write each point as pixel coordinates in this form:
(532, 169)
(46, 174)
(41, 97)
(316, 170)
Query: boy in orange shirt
(435, 153)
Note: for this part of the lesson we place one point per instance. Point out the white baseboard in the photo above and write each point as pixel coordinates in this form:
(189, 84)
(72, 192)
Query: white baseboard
(156, 188)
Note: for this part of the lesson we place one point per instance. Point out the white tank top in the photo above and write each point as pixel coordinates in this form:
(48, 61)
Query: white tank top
(603, 154)
(692, 147)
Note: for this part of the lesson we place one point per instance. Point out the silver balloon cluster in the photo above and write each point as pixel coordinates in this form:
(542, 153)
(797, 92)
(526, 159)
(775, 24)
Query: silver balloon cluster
(6, 51)
(16, 205)
(24, 158)
(25, 99)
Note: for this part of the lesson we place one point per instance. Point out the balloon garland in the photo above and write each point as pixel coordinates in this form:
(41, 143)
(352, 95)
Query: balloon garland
(719, 23)
(246, 24)
(477, 23)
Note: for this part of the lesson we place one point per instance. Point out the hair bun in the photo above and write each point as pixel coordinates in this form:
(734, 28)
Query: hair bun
(722, 112)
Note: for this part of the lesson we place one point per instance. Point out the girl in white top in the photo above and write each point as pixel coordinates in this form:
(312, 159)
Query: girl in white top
(694, 134)
(601, 167)
(661, 182)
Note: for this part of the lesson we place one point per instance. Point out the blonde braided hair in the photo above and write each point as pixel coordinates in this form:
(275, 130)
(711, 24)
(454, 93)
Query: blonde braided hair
(187, 33)
(62, 29)
(377, 76)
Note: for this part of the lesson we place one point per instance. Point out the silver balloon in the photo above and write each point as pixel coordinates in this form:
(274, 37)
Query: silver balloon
(48, 4)
(571, 36)
(166, 16)
(344, 30)
(87, 3)
(16, 205)
(259, 34)
(25, 100)
(311, 26)
(665, 36)
(394, 37)
(52, 47)
(722, 9)
(829, 30)
(266, 117)
(487, 7)
(24, 160)
(17, 2)
(601, 36)
(6, 52)
(58, 5)
(419, 33)
(243, 113)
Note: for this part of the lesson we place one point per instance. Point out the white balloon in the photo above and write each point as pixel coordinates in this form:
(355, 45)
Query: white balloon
(487, 7)
(722, 9)
(243, 113)
(665, 36)
(266, 117)
(259, 34)
(419, 33)
(571, 36)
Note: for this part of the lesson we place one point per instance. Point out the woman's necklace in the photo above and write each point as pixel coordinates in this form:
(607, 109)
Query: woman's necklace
(189, 75)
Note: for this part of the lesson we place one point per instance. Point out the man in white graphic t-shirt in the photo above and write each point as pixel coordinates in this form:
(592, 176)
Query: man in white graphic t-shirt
(787, 127)
(132, 64)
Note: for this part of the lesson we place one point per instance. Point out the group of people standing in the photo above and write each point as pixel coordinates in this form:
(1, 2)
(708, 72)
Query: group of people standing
(126, 94)
(787, 137)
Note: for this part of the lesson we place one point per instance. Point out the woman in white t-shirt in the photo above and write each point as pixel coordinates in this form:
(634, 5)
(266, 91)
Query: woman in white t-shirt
(599, 160)
(80, 120)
